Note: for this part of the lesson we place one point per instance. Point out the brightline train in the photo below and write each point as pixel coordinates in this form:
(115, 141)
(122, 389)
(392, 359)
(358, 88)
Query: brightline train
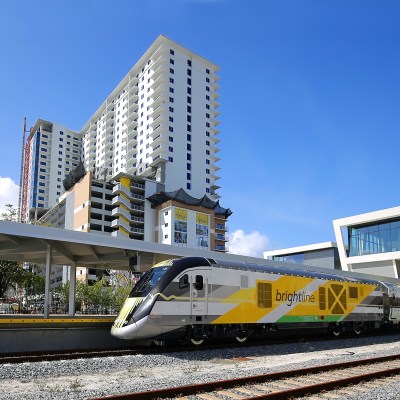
(195, 298)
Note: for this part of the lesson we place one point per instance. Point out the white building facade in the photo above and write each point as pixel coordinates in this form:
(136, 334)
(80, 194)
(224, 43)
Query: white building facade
(370, 242)
(160, 121)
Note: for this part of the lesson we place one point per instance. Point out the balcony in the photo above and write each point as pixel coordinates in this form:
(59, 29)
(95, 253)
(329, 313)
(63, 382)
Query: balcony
(119, 234)
(220, 237)
(121, 200)
(120, 223)
(221, 247)
(221, 227)
(136, 185)
(119, 211)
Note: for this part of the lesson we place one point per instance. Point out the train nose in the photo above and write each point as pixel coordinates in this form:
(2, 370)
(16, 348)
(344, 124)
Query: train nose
(126, 332)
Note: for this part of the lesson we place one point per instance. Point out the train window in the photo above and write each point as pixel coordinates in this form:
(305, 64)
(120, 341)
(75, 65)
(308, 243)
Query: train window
(264, 295)
(198, 284)
(184, 282)
(353, 292)
(322, 298)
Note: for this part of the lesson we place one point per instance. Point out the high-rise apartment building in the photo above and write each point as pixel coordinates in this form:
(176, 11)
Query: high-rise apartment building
(160, 121)
(150, 153)
(51, 152)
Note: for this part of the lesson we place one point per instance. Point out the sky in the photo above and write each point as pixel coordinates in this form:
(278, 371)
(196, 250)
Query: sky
(310, 97)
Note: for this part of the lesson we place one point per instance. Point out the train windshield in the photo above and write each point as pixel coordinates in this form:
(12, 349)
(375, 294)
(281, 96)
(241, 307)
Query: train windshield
(148, 281)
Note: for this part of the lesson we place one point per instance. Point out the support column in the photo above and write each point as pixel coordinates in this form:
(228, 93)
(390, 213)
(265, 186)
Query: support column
(72, 290)
(47, 283)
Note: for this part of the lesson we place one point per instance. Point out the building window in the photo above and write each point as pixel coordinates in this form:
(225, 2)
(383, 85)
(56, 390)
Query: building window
(189, 137)
(208, 152)
(189, 90)
(189, 128)
(189, 100)
(171, 149)
(189, 63)
(171, 71)
(208, 162)
(207, 190)
(189, 81)
(207, 71)
(188, 147)
(188, 176)
(207, 171)
(189, 109)
(171, 52)
(171, 61)
(188, 186)
(171, 109)
(188, 166)
(207, 88)
(170, 138)
(171, 80)
(188, 157)
(171, 119)
(170, 159)
(189, 72)
(171, 99)
(171, 90)
(207, 142)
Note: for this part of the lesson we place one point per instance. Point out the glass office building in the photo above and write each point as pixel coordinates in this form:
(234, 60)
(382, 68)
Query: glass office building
(375, 238)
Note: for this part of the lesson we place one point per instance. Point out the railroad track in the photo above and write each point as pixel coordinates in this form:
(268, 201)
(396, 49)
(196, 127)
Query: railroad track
(72, 354)
(281, 385)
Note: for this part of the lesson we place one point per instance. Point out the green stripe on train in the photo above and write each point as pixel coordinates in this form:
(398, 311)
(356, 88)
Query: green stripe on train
(310, 318)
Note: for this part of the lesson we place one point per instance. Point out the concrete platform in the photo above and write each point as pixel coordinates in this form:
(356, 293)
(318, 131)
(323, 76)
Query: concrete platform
(25, 333)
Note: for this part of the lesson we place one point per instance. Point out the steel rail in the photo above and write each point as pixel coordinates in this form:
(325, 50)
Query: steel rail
(283, 394)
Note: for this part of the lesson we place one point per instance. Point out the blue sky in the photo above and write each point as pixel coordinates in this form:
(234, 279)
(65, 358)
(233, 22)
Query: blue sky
(310, 97)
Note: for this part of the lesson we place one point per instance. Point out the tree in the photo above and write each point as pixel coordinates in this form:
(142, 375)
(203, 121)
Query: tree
(12, 273)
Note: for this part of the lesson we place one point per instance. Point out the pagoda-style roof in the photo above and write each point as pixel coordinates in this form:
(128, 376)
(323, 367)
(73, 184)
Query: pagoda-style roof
(181, 196)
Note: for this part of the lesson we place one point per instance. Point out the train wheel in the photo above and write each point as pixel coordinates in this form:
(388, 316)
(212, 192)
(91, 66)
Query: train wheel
(358, 329)
(336, 331)
(196, 342)
(241, 339)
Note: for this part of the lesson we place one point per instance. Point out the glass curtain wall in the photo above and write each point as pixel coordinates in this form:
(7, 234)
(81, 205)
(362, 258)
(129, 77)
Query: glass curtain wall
(373, 239)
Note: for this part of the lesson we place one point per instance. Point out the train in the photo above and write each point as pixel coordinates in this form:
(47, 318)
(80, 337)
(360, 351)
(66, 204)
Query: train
(193, 299)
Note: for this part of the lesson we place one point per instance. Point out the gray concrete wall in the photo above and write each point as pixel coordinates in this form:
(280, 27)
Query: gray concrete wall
(41, 339)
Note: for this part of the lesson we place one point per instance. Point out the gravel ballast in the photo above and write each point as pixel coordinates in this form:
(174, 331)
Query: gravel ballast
(88, 378)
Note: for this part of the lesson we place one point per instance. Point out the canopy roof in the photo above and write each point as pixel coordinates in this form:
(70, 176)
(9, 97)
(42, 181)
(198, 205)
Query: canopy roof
(180, 195)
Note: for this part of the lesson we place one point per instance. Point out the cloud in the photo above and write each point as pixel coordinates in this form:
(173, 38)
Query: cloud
(247, 244)
(9, 192)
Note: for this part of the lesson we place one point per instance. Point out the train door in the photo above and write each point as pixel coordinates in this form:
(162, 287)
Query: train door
(199, 292)
(394, 296)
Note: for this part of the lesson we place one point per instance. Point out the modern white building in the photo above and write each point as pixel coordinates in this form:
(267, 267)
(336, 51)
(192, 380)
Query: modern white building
(160, 122)
(367, 243)
(370, 242)
(154, 135)
(324, 255)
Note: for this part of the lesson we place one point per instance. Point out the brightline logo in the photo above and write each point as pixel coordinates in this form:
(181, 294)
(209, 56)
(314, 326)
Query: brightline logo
(294, 297)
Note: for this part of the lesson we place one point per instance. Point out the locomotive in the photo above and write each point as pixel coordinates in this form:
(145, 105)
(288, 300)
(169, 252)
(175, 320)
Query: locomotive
(195, 298)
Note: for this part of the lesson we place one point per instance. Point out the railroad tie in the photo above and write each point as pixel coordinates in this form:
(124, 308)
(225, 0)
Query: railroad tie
(206, 396)
(228, 393)
(331, 396)
(267, 388)
(250, 392)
